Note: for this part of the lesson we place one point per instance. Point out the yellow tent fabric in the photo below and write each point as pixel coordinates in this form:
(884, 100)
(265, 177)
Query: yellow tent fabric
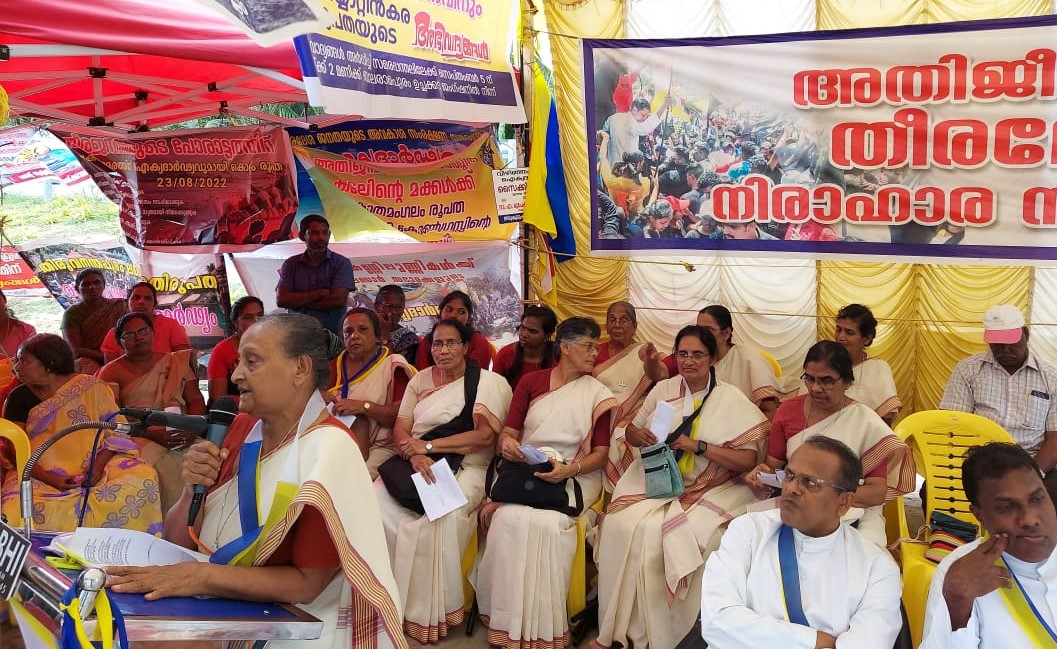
(583, 286)
(930, 316)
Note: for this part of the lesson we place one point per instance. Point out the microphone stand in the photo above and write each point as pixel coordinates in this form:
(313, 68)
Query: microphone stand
(38, 574)
(26, 488)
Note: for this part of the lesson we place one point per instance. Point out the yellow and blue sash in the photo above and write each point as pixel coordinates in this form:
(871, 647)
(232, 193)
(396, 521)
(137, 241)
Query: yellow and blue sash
(110, 621)
(1024, 613)
(345, 381)
(243, 550)
(794, 608)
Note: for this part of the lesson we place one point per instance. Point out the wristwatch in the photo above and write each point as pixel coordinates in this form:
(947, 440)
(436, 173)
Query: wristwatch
(702, 447)
(366, 407)
(429, 447)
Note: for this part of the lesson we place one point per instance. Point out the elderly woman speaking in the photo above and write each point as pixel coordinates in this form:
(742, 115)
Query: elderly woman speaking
(320, 546)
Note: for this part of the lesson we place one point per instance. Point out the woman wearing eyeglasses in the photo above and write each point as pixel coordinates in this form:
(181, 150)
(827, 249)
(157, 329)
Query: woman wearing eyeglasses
(650, 591)
(826, 409)
(619, 367)
(523, 574)
(427, 556)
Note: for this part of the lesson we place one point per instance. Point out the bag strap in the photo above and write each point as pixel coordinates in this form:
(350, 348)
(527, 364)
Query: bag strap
(794, 608)
(471, 379)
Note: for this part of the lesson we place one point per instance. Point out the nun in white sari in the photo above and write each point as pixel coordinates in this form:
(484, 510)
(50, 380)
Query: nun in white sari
(651, 551)
(619, 367)
(826, 409)
(427, 555)
(318, 548)
(523, 574)
(874, 385)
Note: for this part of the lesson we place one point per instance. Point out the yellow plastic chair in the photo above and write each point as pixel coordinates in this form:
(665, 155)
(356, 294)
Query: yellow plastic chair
(20, 441)
(938, 439)
(773, 362)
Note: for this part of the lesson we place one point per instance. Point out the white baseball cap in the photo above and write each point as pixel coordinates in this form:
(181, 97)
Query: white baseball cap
(1003, 324)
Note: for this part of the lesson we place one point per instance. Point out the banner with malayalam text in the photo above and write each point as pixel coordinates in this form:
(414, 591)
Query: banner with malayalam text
(232, 187)
(57, 263)
(448, 199)
(192, 290)
(426, 272)
(414, 59)
(925, 140)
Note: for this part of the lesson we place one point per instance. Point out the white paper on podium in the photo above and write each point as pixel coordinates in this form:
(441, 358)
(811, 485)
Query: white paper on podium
(661, 424)
(117, 547)
(443, 496)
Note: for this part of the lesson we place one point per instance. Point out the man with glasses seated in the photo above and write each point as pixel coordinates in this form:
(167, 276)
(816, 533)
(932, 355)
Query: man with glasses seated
(999, 591)
(797, 576)
(144, 378)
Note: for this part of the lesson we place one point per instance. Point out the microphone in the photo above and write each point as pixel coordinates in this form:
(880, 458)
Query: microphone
(219, 418)
(89, 583)
(194, 424)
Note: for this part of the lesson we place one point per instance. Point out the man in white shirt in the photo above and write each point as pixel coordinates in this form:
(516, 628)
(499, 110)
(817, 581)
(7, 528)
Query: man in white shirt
(849, 588)
(977, 589)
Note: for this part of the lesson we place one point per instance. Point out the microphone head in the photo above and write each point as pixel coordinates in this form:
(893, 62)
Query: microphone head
(223, 411)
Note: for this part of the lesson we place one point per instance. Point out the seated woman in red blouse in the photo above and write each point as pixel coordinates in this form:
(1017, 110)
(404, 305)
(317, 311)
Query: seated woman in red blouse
(826, 410)
(459, 306)
(534, 349)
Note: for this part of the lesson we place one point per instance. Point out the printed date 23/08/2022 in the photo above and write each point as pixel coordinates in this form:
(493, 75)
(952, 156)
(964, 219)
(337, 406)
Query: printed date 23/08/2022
(169, 182)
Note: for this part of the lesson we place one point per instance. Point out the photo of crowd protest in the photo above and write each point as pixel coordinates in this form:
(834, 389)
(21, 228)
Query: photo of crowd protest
(664, 142)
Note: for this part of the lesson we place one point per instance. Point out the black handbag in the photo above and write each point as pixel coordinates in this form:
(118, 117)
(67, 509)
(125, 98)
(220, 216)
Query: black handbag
(396, 472)
(515, 483)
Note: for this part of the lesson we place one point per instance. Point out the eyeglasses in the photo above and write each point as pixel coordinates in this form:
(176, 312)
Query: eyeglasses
(697, 356)
(809, 482)
(129, 335)
(590, 347)
(623, 322)
(450, 344)
(827, 382)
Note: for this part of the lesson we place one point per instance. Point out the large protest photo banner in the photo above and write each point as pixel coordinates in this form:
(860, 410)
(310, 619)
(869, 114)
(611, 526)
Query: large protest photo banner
(57, 263)
(414, 59)
(230, 187)
(192, 290)
(449, 198)
(926, 140)
(426, 273)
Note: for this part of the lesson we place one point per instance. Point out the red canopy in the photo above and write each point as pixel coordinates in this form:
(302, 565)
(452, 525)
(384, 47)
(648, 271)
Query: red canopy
(135, 63)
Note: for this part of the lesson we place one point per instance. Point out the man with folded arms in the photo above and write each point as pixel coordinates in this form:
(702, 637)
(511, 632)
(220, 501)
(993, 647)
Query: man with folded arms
(796, 576)
(1000, 591)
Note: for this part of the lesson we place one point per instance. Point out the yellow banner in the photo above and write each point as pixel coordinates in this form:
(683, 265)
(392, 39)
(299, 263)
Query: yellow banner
(446, 200)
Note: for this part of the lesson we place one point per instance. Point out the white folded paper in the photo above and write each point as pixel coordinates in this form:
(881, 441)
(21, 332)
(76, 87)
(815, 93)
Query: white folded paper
(441, 497)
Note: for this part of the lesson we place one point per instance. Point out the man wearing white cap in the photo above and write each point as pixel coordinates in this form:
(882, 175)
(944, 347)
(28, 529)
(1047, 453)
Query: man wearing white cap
(1011, 386)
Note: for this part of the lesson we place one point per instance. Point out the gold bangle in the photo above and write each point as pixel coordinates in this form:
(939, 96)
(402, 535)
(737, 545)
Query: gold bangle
(579, 469)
